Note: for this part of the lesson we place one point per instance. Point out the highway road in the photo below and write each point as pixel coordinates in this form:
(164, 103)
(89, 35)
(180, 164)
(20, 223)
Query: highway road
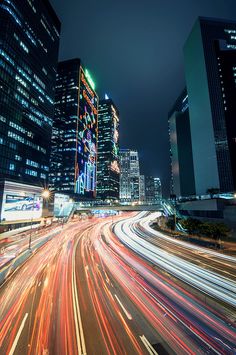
(90, 291)
(210, 282)
(12, 246)
(204, 257)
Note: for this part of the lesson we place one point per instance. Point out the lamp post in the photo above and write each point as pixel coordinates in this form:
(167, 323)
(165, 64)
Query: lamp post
(31, 224)
(46, 195)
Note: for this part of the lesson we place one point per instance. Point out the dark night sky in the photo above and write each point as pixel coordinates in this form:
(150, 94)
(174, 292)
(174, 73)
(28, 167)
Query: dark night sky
(133, 50)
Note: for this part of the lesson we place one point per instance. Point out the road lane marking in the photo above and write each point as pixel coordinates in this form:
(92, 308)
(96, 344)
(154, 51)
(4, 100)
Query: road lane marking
(148, 346)
(78, 321)
(75, 309)
(169, 312)
(18, 335)
(128, 315)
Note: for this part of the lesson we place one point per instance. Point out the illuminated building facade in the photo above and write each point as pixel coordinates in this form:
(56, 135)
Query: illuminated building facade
(210, 68)
(74, 140)
(142, 195)
(108, 171)
(153, 193)
(129, 176)
(29, 37)
(182, 173)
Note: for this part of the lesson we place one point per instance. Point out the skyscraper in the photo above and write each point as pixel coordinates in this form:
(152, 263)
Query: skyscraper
(142, 195)
(153, 193)
(182, 174)
(157, 189)
(210, 67)
(74, 140)
(108, 166)
(29, 37)
(129, 175)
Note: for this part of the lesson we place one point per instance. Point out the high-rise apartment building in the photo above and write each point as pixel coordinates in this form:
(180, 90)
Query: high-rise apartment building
(108, 166)
(182, 174)
(74, 140)
(129, 175)
(29, 42)
(210, 67)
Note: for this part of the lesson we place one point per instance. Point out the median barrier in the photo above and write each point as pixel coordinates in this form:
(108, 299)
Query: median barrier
(11, 266)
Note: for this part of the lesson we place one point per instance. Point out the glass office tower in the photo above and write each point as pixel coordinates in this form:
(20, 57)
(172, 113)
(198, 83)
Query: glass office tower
(74, 140)
(182, 173)
(129, 176)
(153, 193)
(29, 42)
(108, 172)
(210, 67)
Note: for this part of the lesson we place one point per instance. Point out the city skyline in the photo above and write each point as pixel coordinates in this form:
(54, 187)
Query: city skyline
(94, 258)
(162, 36)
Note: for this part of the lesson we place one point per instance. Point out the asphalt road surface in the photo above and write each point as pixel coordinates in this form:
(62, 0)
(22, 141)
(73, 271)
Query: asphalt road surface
(92, 290)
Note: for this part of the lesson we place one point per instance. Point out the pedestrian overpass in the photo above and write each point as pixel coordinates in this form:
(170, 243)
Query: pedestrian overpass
(151, 208)
(69, 208)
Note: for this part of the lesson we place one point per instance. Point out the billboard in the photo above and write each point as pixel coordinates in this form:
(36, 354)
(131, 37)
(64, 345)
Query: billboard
(86, 140)
(21, 202)
(61, 202)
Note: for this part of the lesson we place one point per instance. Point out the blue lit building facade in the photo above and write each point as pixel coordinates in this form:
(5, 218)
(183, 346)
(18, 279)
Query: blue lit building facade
(108, 172)
(29, 42)
(74, 141)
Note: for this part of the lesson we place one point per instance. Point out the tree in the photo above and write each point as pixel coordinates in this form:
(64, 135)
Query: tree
(220, 230)
(206, 229)
(192, 225)
(212, 191)
(170, 224)
(214, 230)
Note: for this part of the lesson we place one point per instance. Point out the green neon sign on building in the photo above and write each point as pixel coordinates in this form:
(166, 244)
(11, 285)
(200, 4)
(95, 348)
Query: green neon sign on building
(89, 78)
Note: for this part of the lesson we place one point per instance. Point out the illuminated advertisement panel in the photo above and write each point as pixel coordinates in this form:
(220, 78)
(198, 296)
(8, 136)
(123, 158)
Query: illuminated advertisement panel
(61, 201)
(21, 202)
(86, 149)
(115, 142)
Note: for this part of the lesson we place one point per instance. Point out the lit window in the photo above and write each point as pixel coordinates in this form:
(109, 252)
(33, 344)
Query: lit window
(31, 172)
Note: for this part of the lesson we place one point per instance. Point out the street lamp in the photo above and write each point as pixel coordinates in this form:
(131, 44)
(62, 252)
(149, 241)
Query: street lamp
(45, 195)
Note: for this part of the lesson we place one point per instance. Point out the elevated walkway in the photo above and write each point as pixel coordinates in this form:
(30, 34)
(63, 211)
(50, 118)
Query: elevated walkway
(151, 208)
